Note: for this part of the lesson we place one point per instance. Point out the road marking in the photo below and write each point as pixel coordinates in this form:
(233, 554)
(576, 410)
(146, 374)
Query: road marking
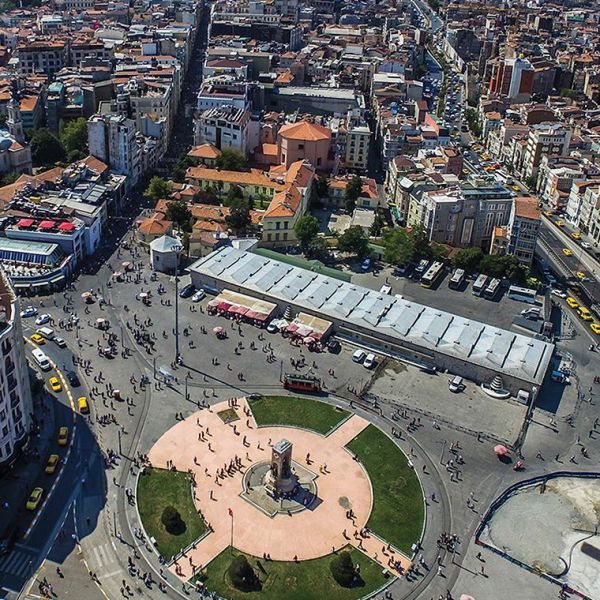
(67, 455)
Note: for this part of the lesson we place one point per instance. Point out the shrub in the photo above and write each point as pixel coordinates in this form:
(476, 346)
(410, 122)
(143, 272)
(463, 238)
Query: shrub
(242, 575)
(343, 570)
(172, 521)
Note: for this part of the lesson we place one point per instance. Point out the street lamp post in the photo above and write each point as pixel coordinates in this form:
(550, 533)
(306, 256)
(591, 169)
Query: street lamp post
(178, 250)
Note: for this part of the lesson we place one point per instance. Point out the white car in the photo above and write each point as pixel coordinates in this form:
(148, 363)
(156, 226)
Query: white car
(43, 319)
(198, 296)
(273, 326)
(586, 245)
(558, 293)
(369, 361)
(29, 311)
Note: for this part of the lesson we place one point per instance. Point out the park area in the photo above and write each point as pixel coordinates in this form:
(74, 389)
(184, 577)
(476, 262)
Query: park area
(296, 412)
(303, 580)
(398, 507)
(158, 490)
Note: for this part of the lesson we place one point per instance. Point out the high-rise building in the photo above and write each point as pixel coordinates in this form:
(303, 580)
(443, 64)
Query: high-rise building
(16, 409)
(513, 77)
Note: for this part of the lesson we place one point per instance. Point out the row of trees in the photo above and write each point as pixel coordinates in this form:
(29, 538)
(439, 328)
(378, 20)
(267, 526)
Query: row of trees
(473, 260)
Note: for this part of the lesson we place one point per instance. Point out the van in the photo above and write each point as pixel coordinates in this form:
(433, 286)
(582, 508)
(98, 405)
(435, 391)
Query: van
(359, 355)
(41, 359)
(46, 332)
(456, 384)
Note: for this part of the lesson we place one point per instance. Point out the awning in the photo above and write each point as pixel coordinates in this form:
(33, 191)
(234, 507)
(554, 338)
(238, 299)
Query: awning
(213, 303)
(66, 226)
(57, 279)
(224, 306)
(47, 225)
(25, 223)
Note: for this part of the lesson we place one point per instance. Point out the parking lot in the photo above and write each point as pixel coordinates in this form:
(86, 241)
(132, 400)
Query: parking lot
(499, 312)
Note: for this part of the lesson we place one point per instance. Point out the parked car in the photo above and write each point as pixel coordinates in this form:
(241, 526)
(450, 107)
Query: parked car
(359, 355)
(29, 311)
(59, 342)
(456, 384)
(558, 293)
(55, 384)
(334, 346)
(198, 296)
(38, 339)
(370, 361)
(365, 265)
(43, 319)
(187, 291)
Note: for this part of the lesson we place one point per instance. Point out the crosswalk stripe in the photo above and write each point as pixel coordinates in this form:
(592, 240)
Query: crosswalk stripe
(8, 563)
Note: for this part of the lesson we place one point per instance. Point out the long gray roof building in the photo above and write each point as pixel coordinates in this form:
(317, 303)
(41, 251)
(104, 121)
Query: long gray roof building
(398, 326)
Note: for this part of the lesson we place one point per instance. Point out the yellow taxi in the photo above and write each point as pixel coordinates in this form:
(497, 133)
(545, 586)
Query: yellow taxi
(465, 171)
(576, 235)
(584, 314)
(52, 463)
(38, 339)
(82, 405)
(580, 275)
(559, 223)
(567, 252)
(595, 328)
(571, 302)
(63, 436)
(34, 498)
(55, 384)
(548, 213)
(515, 188)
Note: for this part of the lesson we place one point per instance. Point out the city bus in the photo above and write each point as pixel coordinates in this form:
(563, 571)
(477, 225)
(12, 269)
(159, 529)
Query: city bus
(522, 294)
(457, 279)
(480, 284)
(432, 274)
(491, 291)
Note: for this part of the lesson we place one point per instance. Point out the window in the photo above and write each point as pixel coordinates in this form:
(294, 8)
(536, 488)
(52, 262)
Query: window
(277, 225)
(300, 146)
(318, 162)
(268, 237)
(285, 224)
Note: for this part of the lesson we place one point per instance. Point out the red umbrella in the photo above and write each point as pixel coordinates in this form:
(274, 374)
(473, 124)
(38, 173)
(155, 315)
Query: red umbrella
(500, 450)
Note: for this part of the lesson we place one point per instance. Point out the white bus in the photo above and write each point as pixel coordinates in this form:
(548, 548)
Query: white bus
(457, 279)
(41, 359)
(432, 274)
(522, 294)
(491, 291)
(480, 284)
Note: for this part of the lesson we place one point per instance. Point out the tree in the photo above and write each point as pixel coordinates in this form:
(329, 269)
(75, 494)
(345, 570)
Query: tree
(398, 246)
(493, 265)
(439, 252)
(354, 241)
(377, 226)
(231, 159)
(468, 259)
(178, 212)
(242, 575)
(234, 192)
(180, 168)
(239, 215)
(352, 192)
(46, 148)
(421, 245)
(9, 178)
(515, 270)
(158, 188)
(306, 229)
(74, 137)
(531, 181)
(318, 249)
(343, 571)
(172, 521)
(322, 187)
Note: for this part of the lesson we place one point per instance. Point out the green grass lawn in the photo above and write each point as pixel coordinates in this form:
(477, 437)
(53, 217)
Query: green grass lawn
(305, 580)
(228, 415)
(300, 412)
(398, 509)
(157, 489)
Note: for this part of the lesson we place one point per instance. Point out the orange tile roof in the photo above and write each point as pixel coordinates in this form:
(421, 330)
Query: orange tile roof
(285, 203)
(95, 164)
(204, 151)
(304, 130)
(155, 226)
(527, 208)
(252, 177)
(269, 149)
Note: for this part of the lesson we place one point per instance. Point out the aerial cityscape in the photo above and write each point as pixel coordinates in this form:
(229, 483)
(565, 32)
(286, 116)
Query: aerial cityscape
(299, 299)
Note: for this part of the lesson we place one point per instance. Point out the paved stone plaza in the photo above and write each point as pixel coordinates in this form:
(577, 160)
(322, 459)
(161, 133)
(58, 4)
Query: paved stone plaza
(342, 484)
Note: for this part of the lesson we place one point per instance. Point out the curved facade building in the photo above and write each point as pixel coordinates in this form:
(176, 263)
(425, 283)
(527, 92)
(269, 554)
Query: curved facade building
(16, 409)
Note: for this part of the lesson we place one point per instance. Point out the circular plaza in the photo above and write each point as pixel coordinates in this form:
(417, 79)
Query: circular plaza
(289, 483)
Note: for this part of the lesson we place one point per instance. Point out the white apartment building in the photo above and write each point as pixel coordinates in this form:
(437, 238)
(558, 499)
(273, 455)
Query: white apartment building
(544, 139)
(16, 408)
(358, 139)
(112, 139)
(224, 127)
(581, 197)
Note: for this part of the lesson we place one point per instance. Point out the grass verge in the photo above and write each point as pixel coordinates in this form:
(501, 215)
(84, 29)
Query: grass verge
(398, 509)
(157, 489)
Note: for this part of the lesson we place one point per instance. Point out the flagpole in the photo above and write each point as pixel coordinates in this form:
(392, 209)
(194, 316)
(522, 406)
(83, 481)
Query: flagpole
(231, 515)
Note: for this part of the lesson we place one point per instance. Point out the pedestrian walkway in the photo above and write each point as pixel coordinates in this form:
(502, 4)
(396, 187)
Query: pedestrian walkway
(347, 431)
